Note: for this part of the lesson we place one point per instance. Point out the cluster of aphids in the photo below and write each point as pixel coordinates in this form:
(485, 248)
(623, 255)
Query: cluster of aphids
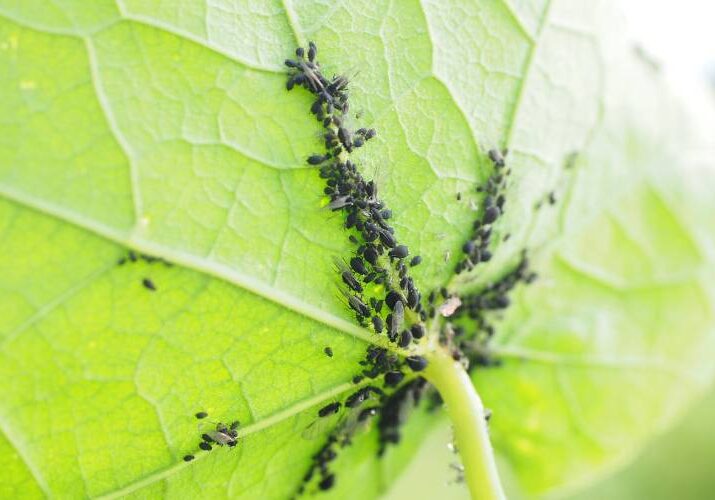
(360, 407)
(377, 285)
(378, 275)
(476, 249)
(132, 256)
(220, 435)
(471, 336)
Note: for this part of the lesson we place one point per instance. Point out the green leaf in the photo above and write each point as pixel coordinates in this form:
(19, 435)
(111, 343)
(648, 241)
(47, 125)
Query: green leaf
(166, 127)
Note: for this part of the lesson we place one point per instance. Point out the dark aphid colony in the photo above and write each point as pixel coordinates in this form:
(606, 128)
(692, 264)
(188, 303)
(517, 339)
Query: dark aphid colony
(133, 256)
(218, 434)
(471, 329)
(375, 282)
(476, 249)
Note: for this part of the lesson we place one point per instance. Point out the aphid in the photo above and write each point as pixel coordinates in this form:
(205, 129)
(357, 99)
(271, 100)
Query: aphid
(491, 214)
(188, 458)
(327, 482)
(357, 398)
(205, 446)
(496, 157)
(416, 363)
(344, 136)
(459, 196)
(552, 198)
(413, 297)
(350, 281)
(399, 252)
(377, 324)
(316, 159)
(468, 247)
(202, 414)
(358, 305)
(387, 239)
(418, 331)
(223, 435)
(371, 255)
(405, 339)
(207, 438)
(149, 284)
(398, 316)
(317, 107)
(300, 52)
(370, 134)
(329, 409)
(328, 351)
(358, 265)
(393, 378)
(312, 51)
(357, 379)
(392, 298)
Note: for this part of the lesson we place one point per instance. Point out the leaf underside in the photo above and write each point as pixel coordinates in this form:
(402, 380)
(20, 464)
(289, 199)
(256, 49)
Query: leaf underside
(166, 127)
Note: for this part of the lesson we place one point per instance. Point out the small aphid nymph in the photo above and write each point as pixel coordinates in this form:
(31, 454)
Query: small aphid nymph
(329, 409)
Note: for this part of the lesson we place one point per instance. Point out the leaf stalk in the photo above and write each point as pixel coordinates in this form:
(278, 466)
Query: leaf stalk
(470, 426)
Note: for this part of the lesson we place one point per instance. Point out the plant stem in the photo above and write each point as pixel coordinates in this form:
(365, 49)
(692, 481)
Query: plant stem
(470, 427)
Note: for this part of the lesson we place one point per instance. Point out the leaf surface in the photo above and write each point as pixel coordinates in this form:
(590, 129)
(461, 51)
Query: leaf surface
(166, 127)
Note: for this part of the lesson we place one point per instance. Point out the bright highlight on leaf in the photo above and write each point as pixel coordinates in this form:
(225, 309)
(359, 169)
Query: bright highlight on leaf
(166, 248)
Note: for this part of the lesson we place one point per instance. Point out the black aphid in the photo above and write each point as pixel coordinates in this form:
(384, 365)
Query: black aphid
(327, 482)
(405, 338)
(416, 260)
(328, 351)
(399, 252)
(350, 281)
(312, 51)
(202, 414)
(329, 409)
(418, 331)
(377, 324)
(393, 378)
(317, 159)
(496, 157)
(207, 438)
(188, 458)
(205, 446)
(358, 265)
(149, 284)
(358, 306)
(491, 214)
(416, 363)
(392, 298)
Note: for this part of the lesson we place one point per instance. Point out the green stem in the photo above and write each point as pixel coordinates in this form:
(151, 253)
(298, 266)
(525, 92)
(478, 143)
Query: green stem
(470, 427)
